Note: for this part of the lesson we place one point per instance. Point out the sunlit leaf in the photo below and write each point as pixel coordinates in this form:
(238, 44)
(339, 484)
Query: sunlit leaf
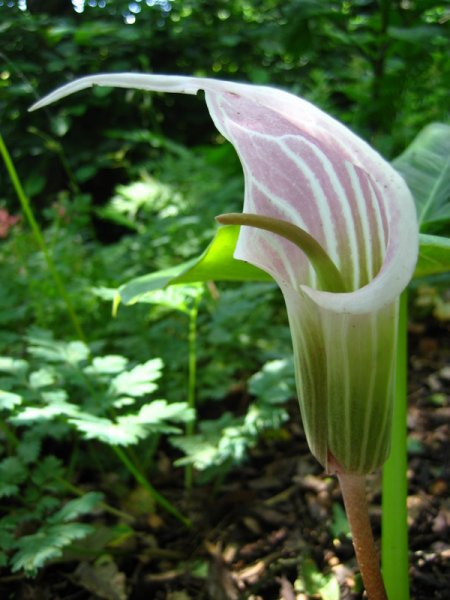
(434, 255)
(12, 365)
(9, 400)
(42, 378)
(216, 263)
(138, 381)
(56, 351)
(107, 365)
(425, 165)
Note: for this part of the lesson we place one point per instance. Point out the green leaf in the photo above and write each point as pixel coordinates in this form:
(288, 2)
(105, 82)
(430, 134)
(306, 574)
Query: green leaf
(315, 583)
(425, 165)
(30, 446)
(434, 258)
(107, 365)
(56, 406)
(177, 297)
(434, 255)
(58, 352)
(275, 382)
(339, 525)
(12, 365)
(216, 263)
(107, 431)
(129, 429)
(47, 471)
(138, 381)
(418, 34)
(12, 474)
(159, 411)
(8, 400)
(34, 550)
(42, 378)
(75, 508)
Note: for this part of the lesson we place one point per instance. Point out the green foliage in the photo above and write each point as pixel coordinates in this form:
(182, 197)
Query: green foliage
(76, 390)
(141, 198)
(40, 523)
(225, 442)
(35, 550)
(362, 61)
(61, 391)
(313, 582)
(425, 165)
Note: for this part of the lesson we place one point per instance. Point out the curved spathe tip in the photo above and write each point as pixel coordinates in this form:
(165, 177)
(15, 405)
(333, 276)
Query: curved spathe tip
(402, 243)
(154, 83)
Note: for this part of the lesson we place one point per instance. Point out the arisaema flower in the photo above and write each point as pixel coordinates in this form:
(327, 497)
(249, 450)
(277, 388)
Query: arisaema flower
(335, 225)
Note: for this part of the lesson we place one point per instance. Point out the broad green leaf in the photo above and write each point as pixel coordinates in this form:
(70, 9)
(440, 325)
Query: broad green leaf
(215, 264)
(418, 34)
(425, 165)
(434, 255)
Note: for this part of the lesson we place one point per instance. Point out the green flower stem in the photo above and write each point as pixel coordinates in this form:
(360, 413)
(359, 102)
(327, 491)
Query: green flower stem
(159, 499)
(192, 380)
(353, 488)
(394, 546)
(26, 207)
(329, 276)
(56, 147)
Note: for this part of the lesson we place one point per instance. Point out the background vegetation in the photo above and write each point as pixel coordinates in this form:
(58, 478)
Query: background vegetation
(124, 183)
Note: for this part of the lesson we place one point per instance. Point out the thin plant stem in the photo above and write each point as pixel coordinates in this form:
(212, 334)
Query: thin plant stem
(56, 147)
(11, 436)
(394, 541)
(353, 488)
(104, 505)
(37, 233)
(11, 439)
(159, 499)
(192, 381)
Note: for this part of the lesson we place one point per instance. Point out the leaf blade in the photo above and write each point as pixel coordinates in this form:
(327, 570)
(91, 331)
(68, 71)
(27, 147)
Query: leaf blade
(216, 263)
(425, 165)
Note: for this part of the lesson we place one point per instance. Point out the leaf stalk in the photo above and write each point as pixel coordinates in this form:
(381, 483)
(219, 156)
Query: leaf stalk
(355, 501)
